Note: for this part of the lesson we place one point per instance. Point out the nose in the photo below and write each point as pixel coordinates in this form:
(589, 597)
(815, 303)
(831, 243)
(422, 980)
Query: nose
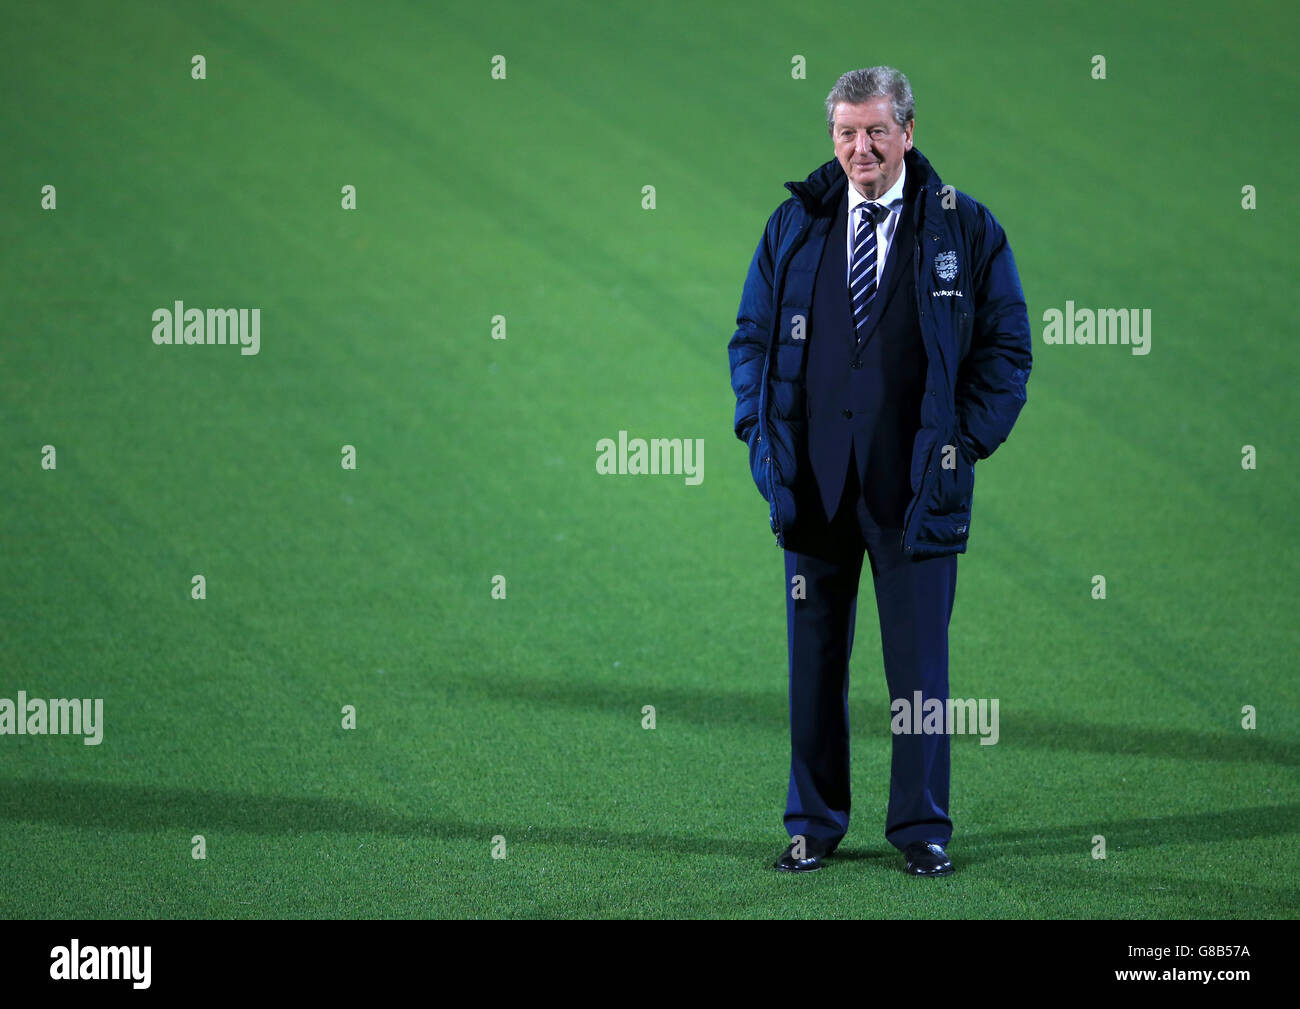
(864, 144)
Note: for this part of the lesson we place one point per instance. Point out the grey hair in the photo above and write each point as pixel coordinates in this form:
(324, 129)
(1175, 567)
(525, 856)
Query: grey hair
(858, 86)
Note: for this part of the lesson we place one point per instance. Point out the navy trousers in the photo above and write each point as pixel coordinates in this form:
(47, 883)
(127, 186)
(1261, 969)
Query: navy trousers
(914, 599)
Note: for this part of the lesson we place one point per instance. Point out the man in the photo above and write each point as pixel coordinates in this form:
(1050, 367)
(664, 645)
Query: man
(882, 348)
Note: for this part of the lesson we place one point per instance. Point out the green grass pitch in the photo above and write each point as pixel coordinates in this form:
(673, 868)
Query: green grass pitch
(521, 718)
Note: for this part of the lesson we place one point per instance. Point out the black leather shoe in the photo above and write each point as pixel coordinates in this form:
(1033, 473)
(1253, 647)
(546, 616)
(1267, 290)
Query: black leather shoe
(814, 852)
(925, 858)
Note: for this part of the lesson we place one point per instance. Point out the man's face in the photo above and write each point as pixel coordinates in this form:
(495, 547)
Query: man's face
(869, 145)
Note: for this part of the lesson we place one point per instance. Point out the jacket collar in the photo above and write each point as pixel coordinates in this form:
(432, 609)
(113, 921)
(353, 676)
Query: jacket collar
(820, 193)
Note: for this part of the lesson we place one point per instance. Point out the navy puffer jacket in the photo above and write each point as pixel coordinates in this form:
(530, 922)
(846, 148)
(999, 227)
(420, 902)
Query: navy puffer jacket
(974, 325)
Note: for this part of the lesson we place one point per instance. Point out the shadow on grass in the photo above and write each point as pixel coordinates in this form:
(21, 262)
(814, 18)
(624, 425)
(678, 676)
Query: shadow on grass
(769, 710)
(1002, 856)
(134, 807)
(1246, 823)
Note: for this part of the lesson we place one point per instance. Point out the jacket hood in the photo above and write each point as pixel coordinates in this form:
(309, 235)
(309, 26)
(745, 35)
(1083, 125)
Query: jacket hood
(820, 192)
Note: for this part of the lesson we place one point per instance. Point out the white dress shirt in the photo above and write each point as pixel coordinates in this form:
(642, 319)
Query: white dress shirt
(893, 200)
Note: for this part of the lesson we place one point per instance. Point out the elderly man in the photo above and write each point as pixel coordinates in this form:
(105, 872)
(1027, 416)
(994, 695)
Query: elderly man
(882, 348)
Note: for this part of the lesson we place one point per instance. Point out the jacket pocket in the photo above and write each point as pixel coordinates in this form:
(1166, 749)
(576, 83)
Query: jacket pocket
(956, 483)
(760, 462)
(945, 524)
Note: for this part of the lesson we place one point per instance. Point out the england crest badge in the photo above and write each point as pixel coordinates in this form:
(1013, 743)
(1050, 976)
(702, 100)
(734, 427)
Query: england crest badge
(945, 265)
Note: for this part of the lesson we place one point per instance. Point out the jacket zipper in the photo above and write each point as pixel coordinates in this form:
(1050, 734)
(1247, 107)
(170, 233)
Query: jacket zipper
(921, 494)
(916, 284)
(778, 279)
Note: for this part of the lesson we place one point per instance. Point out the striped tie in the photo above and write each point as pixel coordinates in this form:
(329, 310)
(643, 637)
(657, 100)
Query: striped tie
(862, 272)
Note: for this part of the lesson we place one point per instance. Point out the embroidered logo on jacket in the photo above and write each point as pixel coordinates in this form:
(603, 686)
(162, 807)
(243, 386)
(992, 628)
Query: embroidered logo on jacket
(945, 265)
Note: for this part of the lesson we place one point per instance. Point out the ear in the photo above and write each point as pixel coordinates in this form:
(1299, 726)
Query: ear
(907, 135)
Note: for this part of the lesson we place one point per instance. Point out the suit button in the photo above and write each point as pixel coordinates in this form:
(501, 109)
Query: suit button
(847, 414)
(857, 364)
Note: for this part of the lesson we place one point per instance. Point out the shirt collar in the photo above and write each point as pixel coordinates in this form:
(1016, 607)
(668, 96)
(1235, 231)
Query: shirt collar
(893, 197)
